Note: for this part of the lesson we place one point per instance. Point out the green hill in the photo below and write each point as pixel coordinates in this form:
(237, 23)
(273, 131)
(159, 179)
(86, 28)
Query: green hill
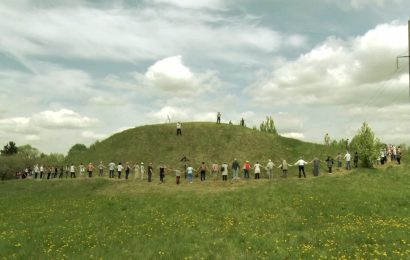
(200, 142)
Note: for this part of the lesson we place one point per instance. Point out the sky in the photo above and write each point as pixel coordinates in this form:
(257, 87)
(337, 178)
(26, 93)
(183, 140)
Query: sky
(78, 71)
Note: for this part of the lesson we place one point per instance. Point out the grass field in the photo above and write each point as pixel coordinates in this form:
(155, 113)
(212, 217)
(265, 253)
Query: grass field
(361, 214)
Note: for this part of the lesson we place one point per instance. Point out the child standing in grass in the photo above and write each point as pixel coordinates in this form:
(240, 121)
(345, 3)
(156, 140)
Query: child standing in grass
(177, 176)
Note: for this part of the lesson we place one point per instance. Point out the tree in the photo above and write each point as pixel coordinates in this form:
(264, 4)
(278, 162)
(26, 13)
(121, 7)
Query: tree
(77, 148)
(9, 149)
(366, 145)
(268, 126)
(29, 152)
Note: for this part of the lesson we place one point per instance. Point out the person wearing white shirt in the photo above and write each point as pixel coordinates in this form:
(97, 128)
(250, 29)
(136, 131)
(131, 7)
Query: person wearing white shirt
(179, 128)
(190, 172)
(301, 163)
(111, 167)
(72, 171)
(224, 171)
(142, 171)
(41, 171)
(257, 170)
(36, 169)
(348, 157)
(136, 171)
(119, 170)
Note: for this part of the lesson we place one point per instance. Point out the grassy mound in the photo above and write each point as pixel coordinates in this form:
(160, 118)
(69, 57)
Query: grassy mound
(199, 142)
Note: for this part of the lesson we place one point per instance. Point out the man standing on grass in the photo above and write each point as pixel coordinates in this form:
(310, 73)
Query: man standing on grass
(111, 168)
(218, 118)
(339, 161)
(269, 169)
(190, 173)
(179, 128)
(72, 171)
(235, 169)
(214, 171)
(301, 163)
(36, 169)
(119, 169)
(162, 168)
(101, 169)
(90, 169)
(150, 171)
(202, 169)
(127, 170)
(356, 159)
(142, 171)
(348, 158)
(136, 171)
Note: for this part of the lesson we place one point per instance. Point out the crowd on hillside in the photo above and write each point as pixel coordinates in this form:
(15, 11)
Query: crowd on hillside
(235, 170)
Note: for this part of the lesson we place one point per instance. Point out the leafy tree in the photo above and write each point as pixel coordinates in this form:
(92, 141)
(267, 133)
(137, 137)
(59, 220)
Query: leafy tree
(9, 149)
(77, 148)
(367, 145)
(29, 152)
(268, 126)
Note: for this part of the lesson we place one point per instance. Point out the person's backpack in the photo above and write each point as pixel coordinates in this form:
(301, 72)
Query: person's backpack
(222, 168)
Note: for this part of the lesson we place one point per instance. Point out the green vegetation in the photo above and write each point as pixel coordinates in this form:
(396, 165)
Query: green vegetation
(363, 214)
(367, 146)
(199, 142)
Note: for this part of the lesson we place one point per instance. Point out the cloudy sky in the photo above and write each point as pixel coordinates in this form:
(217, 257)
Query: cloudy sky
(78, 71)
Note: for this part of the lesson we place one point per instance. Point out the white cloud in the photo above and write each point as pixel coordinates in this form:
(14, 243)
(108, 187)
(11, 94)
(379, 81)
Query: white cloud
(213, 4)
(299, 136)
(92, 135)
(133, 34)
(105, 100)
(61, 119)
(170, 76)
(339, 71)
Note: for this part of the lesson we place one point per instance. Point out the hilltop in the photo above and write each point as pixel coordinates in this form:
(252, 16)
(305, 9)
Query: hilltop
(201, 141)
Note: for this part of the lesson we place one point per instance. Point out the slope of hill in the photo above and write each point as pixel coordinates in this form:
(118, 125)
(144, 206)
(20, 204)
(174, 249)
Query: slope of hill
(200, 142)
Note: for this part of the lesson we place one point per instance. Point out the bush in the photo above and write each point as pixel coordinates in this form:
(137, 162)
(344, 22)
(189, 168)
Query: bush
(366, 145)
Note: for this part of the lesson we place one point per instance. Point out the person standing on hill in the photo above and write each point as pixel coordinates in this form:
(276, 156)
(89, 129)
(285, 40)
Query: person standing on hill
(202, 169)
(190, 173)
(49, 170)
(284, 166)
(136, 171)
(269, 169)
(61, 175)
(235, 169)
(242, 122)
(150, 171)
(90, 169)
(111, 168)
(301, 163)
(82, 169)
(398, 155)
(214, 170)
(218, 118)
(179, 128)
(329, 162)
(101, 169)
(67, 170)
(142, 171)
(72, 171)
(224, 171)
(316, 164)
(257, 170)
(162, 168)
(339, 161)
(246, 169)
(356, 159)
(41, 171)
(119, 169)
(36, 170)
(177, 176)
(348, 158)
(127, 170)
